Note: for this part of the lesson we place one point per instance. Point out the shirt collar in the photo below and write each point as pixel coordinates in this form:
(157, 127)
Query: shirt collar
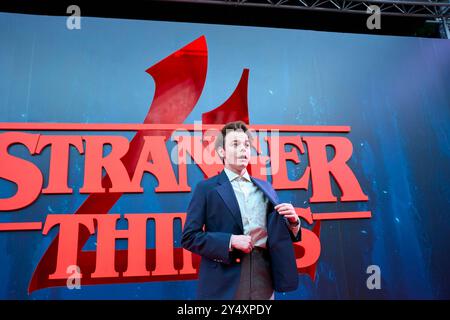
(231, 175)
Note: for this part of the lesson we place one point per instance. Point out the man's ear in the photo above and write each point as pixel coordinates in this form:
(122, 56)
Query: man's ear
(221, 152)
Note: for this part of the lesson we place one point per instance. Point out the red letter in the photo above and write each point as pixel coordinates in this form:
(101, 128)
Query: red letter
(279, 156)
(160, 167)
(188, 267)
(24, 174)
(164, 244)
(311, 247)
(95, 162)
(202, 155)
(59, 160)
(321, 169)
(68, 239)
(106, 240)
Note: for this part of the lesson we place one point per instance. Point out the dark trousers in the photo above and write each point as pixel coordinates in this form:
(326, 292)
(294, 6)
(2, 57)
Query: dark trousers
(256, 278)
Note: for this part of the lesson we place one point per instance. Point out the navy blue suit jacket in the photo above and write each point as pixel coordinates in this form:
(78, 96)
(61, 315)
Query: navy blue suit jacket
(214, 206)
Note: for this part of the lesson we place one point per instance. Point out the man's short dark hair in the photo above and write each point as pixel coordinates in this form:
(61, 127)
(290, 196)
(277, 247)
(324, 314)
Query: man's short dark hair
(229, 127)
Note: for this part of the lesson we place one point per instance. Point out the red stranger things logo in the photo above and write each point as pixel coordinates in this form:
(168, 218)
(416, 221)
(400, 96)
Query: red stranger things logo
(179, 81)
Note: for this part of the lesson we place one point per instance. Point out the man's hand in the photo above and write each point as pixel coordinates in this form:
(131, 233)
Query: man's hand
(287, 210)
(242, 242)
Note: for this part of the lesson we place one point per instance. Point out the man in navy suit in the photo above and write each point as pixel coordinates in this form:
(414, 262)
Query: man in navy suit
(237, 225)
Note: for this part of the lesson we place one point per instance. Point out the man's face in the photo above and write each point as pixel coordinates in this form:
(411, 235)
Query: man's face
(237, 150)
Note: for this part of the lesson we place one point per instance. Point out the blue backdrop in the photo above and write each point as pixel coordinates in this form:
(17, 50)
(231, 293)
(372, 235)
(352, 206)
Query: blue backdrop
(394, 92)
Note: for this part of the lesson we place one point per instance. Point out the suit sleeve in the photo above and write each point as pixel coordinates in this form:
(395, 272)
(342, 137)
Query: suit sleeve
(211, 245)
(295, 237)
(295, 232)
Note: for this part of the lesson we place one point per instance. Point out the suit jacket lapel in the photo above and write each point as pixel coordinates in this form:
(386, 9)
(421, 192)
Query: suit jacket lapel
(225, 189)
(264, 190)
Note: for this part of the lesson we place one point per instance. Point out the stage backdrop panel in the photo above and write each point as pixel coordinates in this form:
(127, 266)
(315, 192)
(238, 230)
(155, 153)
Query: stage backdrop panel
(392, 93)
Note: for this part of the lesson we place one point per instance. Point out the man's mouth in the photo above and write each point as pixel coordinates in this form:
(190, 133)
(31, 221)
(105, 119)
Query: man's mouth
(242, 157)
